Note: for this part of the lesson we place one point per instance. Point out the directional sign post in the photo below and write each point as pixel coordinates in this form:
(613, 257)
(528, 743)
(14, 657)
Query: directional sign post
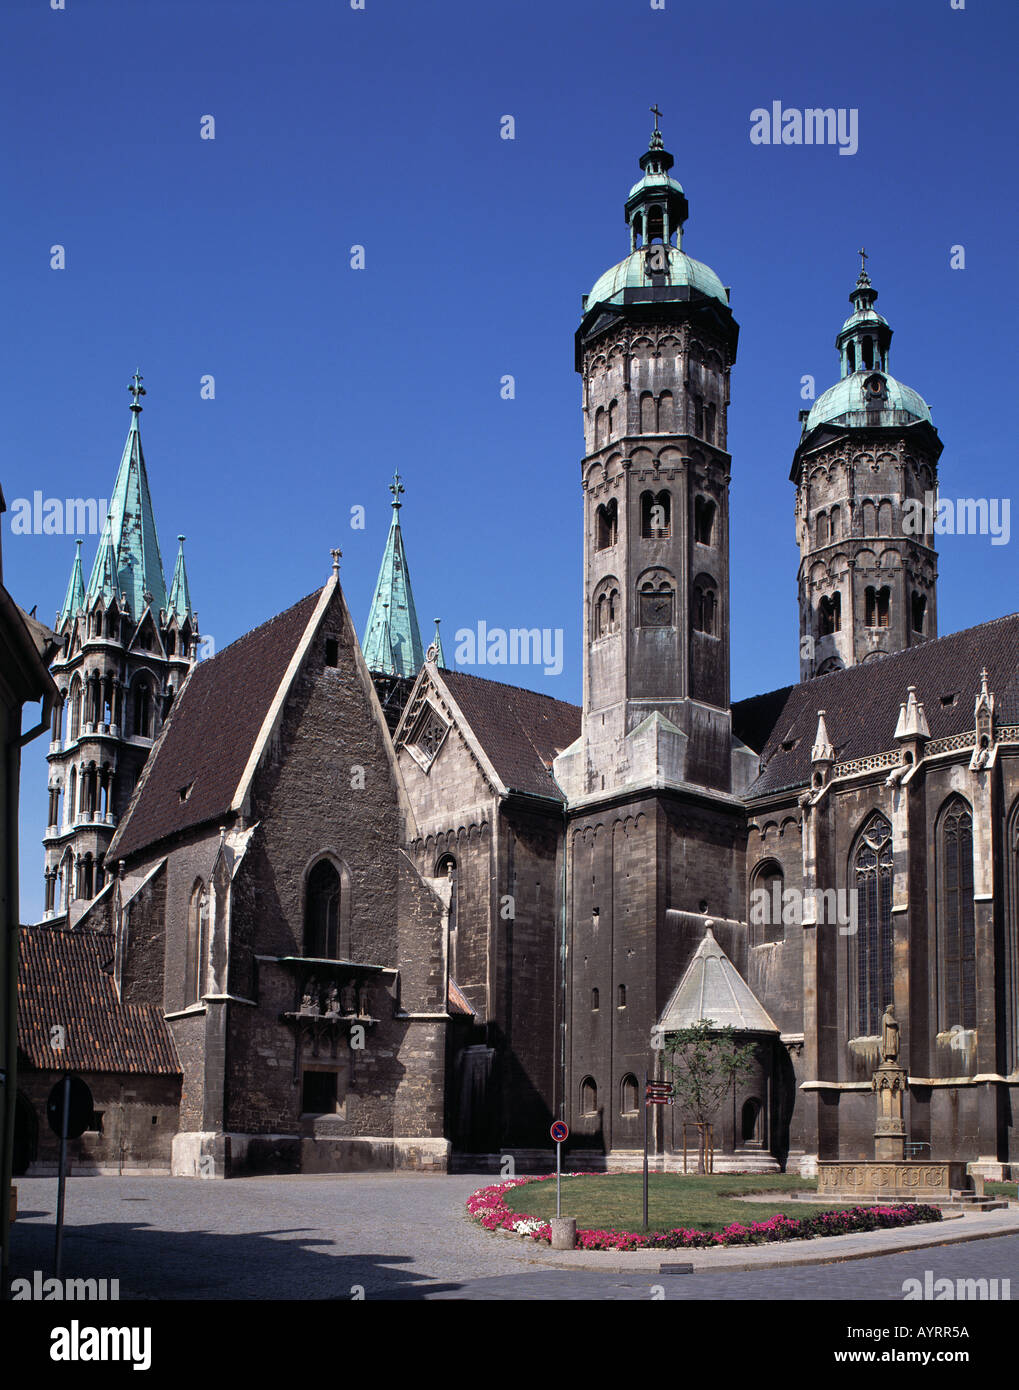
(655, 1093)
(69, 1111)
(560, 1132)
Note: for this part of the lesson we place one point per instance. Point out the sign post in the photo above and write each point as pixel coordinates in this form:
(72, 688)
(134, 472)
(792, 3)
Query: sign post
(655, 1093)
(560, 1132)
(69, 1111)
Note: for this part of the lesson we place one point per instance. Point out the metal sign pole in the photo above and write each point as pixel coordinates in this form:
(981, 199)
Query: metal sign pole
(558, 1180)
(62, 1173)
(646, 1109)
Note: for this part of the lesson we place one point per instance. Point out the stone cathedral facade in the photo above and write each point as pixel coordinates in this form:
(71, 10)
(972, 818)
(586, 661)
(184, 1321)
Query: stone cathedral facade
(503, 923)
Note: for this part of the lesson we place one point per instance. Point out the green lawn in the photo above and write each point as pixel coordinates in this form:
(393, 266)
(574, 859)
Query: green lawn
(613, 1202)
(1000, 1189)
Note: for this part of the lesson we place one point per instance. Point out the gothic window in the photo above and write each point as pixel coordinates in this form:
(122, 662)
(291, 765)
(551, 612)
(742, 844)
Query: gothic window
(111, 623)
(836, 523)
(322, 912)
(918, 606)
(588, 1096)
(600, 420)
(871, 876)
(869, 511)
(709, 422)
(613, 419)
(829, 615)
(197, 944)
(142, 709)
(884, 519)
(1011, 960)
(628, 1095)
(666, 414)
(606, 523)
(656, 515)
(72, 791)
(656, 603)
(75, 722)
(877, 603)
(767, 885)
(428, 735)
(957, 997)
(647, 413)
(821, 527)
(703, 520)
(705, 606)
(601, 626)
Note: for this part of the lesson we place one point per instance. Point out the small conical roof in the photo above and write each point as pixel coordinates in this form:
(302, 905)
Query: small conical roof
(392, 638)
(74, 599)
(179, 600)
(712, 988)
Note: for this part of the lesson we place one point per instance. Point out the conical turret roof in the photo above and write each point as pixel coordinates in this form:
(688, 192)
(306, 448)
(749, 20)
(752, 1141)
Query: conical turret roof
(392, 638)
(712, 988)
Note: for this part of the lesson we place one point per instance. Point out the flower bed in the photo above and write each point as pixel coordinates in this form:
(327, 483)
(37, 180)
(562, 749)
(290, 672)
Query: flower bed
(488, 1208)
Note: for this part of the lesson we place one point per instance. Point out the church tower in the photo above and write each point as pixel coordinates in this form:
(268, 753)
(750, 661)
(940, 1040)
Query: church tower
(866, 475)
(126, 646)
(655, 827)
(654, 350)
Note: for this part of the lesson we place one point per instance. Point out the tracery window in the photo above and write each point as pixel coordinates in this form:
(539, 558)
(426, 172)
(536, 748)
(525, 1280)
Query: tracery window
(956, 934)
(322, 912)
(429, 732)
(871, 877)
(197, 944)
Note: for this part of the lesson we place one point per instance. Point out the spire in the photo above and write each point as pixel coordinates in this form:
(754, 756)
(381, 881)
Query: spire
(179, 600)
(74, 599)
(822, 751)
(434, 652)
(864, 339)
(392, 638)
(912, 718)
(128, 562)
(656, 207)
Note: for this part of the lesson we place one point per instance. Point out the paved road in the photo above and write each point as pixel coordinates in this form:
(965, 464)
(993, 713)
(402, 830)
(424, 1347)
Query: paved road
(394, 1237)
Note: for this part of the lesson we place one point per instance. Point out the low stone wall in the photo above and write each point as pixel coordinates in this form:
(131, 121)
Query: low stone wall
(210, 1155)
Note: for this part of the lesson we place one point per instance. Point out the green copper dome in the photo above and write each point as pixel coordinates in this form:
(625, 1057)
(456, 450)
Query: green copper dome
(857, 400)
(631, 274)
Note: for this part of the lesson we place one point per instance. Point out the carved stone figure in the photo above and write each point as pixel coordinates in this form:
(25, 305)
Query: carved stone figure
(889, 1036)
(348, 998)
(362, 1001)
(332, 1002)
(309, 999)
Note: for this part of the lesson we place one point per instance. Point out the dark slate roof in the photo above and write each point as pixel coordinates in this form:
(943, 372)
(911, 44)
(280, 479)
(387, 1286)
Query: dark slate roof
(211, 731)
(520, 730)
(862, 703)
(61, 980)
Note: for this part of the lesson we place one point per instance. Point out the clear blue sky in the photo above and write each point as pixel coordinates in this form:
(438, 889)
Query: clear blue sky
(381, 127)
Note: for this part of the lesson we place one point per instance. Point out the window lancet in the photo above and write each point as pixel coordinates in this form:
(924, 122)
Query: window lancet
(322, 912)
(871, 876)
(955, 917)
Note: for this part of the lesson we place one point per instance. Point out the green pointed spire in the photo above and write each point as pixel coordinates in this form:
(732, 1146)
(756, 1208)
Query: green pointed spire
(179, 600)
(392, 638)
(74, 599)
(128, 564)
(435, 652)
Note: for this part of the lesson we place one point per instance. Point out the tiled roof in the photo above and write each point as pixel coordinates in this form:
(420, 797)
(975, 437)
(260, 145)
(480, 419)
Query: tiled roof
(212, 729)
(457, 1002)
(712, 988)
(520, 730)
(61, 980)
(862, 703)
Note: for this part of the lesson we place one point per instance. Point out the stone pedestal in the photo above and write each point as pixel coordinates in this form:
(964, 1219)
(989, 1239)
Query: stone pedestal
(911, 1180)
(564, 1232)
(890, 1132)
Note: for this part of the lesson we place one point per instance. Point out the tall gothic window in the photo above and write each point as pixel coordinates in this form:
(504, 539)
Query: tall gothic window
(877, 605)
(871, 876)
(197, 946)
(919, 611)
(766, 889)
(322, 912)
(1011, 973)
(606, 525)
(588, 1096)
(957, 995)
(829, 615)
(703, 520)
(705, 606)
(656, 515)
(446, 868)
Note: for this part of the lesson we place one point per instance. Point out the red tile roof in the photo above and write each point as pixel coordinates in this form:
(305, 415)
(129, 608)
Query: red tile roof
(862, 703)
(213, 727)
(61, 981)
(520, 730)
(457, 1002)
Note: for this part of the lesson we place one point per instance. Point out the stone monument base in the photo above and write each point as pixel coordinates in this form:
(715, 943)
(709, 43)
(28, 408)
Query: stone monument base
(904, 1179)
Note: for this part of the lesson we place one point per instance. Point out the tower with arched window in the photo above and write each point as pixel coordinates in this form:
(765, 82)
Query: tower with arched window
(866, 475)
(127, 644)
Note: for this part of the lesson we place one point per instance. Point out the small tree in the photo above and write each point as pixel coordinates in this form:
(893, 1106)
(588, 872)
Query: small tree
(704, 1062)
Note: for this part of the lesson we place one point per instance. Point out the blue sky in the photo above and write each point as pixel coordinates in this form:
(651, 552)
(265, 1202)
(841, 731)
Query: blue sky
(380, 127)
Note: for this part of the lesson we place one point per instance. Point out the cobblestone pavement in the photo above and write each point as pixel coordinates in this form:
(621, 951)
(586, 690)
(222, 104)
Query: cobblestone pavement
(400, 1236)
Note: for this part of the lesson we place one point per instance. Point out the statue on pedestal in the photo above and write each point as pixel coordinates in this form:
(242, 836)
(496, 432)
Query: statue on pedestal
(348, 998)
(889, 1036)
(309, 999)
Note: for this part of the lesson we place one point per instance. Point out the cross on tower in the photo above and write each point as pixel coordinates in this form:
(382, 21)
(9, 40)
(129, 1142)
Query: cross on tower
(656, 113)
(137, 389)
(863, 260)
(396, 487)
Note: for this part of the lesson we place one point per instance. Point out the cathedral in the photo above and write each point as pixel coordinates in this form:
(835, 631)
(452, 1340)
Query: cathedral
(390, 914)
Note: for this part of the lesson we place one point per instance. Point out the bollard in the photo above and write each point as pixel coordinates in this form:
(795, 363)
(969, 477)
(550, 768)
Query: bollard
(564, 1232)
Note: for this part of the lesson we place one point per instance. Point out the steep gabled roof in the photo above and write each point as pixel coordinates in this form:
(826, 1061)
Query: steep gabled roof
(61, 980)
(200, 757)
(862, 703)
(521, 731)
